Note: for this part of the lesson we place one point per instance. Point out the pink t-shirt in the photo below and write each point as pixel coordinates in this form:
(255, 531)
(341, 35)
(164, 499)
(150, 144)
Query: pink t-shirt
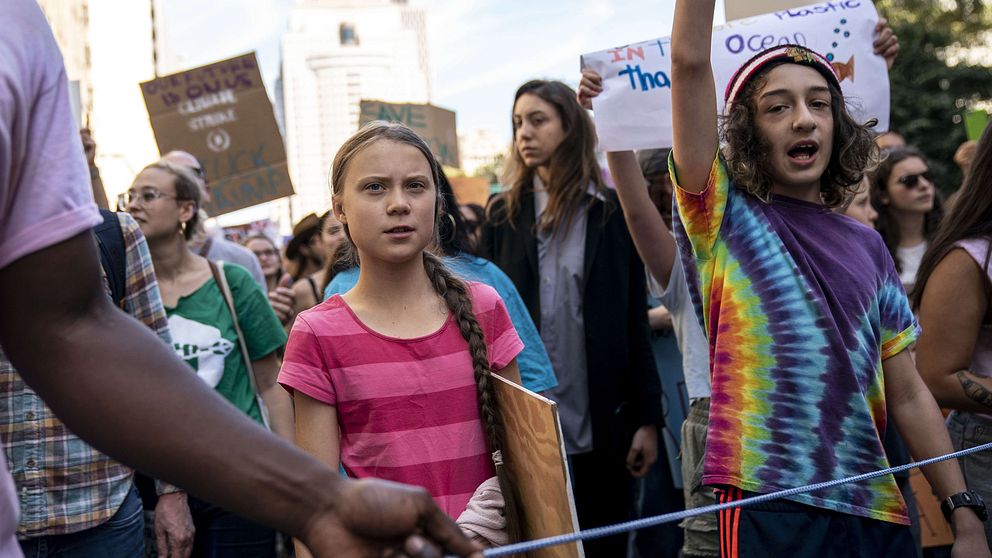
(45, 192)
(407, 408)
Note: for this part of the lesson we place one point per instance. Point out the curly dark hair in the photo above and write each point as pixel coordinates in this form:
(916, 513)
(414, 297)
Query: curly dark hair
(854, 151)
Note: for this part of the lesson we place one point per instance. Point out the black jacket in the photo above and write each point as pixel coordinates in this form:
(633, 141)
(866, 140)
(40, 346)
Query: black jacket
(624, 388)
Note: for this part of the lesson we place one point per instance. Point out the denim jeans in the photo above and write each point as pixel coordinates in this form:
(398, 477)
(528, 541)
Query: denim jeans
(221, 534)
(121, 536)
(968, 430)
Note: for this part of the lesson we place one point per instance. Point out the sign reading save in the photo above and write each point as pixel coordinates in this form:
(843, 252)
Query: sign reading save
(221, 114)
(435, 124)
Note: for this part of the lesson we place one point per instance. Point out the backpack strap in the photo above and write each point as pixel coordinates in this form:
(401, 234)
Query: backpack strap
(113, 255)
(216, 268)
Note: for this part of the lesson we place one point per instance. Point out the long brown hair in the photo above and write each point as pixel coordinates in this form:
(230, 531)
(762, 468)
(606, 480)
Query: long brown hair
(453, 291)
(969, 217)
(571, 168)
(886, 224)
(854, 150)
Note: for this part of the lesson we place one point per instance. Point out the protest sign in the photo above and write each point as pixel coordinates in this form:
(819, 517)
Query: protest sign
(534, 457)
(435, 124)
(221, 114)
(975, 123)
(740, 9)
(634, 111)
(470, 189)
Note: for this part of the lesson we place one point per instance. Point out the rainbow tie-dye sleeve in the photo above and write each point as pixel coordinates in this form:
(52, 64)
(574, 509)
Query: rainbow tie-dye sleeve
(703, 212)
(899, 327)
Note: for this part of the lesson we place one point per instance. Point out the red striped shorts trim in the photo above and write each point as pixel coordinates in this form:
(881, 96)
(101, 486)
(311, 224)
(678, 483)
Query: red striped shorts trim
(729, 522)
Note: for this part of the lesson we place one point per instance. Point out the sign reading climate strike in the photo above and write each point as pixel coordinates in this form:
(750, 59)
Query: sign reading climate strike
(221, 114)
(634, 111)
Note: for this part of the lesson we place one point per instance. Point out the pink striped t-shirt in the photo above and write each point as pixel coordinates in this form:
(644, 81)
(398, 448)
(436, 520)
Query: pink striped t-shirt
(407, 408)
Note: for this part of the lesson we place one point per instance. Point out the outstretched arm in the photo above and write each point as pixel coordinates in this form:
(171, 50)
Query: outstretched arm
(150, 412)
(652, 238)
(693, 93)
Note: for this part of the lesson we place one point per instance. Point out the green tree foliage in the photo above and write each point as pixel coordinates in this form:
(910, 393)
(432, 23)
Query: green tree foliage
(929, 94)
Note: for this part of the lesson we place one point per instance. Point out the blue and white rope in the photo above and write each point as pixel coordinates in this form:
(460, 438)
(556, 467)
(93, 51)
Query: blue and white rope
(521, 548)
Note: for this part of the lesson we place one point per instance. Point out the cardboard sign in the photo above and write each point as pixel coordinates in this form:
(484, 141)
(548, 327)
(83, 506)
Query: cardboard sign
(470, 189)
(435, 124)
(975, 123)
(740, 9)
(221, 114)
(535, 459)
(934, 530)
(634, 111)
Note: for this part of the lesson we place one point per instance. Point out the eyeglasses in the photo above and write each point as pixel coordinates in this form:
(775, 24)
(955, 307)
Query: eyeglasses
(267, 253)
(141, 199)
(913, 180)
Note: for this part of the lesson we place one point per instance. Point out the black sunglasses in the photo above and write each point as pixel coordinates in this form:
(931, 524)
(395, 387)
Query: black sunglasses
(913, 180)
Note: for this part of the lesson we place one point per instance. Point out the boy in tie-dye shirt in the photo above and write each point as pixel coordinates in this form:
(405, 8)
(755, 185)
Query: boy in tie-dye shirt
(805, 316)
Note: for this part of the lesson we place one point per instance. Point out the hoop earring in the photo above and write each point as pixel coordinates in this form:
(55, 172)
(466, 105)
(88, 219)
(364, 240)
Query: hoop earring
(451, 218)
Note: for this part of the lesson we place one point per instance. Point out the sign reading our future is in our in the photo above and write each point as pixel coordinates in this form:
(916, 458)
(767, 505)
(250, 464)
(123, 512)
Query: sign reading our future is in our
(634, 111)
(434, 124)
(221, 114)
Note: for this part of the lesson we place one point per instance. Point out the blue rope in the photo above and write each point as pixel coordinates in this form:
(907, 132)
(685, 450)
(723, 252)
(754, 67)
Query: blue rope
(606, 531)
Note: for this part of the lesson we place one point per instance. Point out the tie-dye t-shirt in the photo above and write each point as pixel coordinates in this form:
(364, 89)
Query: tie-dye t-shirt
(801, 306)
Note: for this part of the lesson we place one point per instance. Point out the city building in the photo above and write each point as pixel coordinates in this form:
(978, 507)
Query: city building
(479, 148)
(107, 48)
(334, 54)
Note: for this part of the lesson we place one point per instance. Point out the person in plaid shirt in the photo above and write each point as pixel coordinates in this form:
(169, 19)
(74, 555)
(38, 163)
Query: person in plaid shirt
(98, 512)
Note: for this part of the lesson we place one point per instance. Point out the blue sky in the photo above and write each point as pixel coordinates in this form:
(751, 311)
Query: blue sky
(481, 50)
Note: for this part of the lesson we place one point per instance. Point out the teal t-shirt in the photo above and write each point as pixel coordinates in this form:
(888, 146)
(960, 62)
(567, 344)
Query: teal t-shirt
(203, 335)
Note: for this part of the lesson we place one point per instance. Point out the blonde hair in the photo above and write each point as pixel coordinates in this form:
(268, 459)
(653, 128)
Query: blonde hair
(452, 290)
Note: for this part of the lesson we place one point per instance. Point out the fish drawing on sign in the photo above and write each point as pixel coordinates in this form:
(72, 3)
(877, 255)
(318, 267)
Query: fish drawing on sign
(844, 69)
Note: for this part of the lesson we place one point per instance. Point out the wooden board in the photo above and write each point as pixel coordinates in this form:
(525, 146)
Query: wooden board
(535, 458)
(934, 530)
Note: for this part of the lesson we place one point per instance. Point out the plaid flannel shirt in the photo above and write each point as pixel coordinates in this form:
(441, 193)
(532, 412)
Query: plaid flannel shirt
(63, 484)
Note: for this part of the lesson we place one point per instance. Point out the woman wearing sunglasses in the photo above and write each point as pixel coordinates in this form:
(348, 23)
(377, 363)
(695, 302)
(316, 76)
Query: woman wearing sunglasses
(908, 207)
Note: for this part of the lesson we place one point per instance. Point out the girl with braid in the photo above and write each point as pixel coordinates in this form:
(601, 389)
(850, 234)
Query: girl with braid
(393, 379)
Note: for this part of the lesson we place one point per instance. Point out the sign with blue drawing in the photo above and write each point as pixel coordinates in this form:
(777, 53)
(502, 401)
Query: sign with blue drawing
(634, 110)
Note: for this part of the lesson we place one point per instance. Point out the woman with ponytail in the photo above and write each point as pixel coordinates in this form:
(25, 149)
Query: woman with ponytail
(393, 379)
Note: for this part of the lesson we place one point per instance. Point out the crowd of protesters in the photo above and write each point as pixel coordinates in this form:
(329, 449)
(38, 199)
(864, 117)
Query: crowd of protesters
(792, 270)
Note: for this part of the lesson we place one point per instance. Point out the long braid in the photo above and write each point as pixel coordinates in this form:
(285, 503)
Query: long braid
(456, 297)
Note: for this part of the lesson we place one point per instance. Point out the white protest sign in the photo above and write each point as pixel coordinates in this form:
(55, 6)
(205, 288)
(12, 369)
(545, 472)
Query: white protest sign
(634, 111)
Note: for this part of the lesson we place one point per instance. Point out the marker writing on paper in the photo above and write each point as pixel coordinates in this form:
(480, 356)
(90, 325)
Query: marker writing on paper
(737, 43)
(646, 80)
(824, 8)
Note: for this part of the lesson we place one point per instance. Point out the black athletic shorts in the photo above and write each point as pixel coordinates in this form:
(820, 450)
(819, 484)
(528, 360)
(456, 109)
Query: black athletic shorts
(785, 528)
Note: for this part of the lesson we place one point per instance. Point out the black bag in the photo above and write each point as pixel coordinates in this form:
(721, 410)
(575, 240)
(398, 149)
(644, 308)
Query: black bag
(113, 255)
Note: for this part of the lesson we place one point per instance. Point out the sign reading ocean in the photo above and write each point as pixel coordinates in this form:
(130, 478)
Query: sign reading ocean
(634, 111)
(221, 114)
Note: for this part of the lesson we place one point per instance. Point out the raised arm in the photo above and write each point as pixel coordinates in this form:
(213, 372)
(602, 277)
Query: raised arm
(652, 238)
(693, 93)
